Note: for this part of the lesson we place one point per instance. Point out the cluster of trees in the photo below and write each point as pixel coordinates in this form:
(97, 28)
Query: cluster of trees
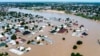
(86, 10)
(4, 54)
(23, 4)
(91, 11)
(77, 54)
(95, 17)
(79, 42)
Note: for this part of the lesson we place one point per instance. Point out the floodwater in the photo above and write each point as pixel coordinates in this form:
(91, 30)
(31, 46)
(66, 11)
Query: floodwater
(90, 46)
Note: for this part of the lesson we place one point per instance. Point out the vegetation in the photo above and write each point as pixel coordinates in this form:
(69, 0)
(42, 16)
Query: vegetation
(87, 10)
(7, 30)
(49, 24)
(13, 37)
(40, 28)
(4, 54)
(17, 42)
(28, 42)
(2, 33)
(36, 26)
(26, 27)
(63, 38)
(3, 27)
(38, 42)
(6, 45)
(74, 47)
(72, 54)
(33, 28)
(77, 54)
(79, 42)
(43, 40)
(92, 17)
(68, 12)
(23, 23)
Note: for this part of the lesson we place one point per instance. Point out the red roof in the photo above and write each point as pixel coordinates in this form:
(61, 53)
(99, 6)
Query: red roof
(62, 30)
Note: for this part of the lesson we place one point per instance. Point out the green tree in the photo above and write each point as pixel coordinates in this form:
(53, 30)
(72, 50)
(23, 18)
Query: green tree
(13, 37)
(3, 27)
(26, 27)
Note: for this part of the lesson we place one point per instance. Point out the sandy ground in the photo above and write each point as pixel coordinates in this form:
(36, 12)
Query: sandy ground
(90, 46)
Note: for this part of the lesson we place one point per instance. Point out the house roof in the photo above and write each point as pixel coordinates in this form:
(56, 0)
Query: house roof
(1, 36)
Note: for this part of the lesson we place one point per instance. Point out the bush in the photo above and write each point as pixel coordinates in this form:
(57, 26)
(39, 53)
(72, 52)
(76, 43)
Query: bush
(79, 42)
(72, 54)
(42, 39)
(6, 53)
(49, 24)
(23, 23)
(3, 27)
(63, 38)
(77, 54)
(28, 42)
(38, 42)
(1, 54)
(6, 45)
(36, 26)
(26, 27)
(40, 28)
(74, 47)
(2, 33)
(33, 28)
(17, 42)
(13, 37)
